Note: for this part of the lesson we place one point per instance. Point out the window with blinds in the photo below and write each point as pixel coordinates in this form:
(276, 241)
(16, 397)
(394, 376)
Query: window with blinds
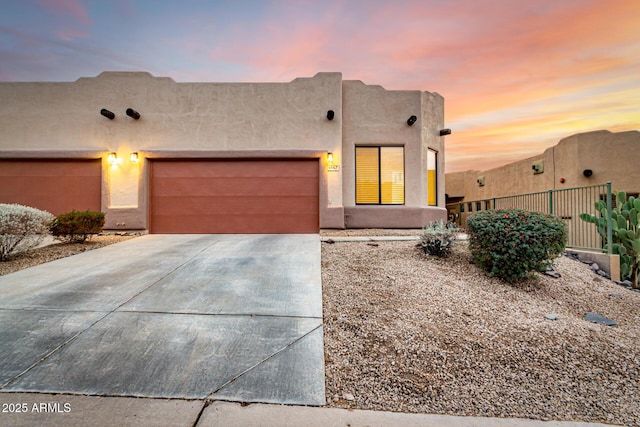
(432, 185)
(380, 175)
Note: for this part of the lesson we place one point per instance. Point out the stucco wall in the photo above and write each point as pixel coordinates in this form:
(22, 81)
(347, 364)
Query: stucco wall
(375, 116)
(178, 119)
(213, 120)
(611, 156)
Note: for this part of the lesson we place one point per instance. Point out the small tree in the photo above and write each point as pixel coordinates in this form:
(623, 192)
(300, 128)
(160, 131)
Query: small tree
(512, 243)
(21, 228)
(625, 232)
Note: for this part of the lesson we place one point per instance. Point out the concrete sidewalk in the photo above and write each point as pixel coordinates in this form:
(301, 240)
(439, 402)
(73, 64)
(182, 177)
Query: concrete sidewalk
(71, 411)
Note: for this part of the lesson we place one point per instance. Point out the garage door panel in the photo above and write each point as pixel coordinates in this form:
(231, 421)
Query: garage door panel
(165, 187)
(234, 169)
(235, 196)
(228, 205)
(56, 186)
(242, 223)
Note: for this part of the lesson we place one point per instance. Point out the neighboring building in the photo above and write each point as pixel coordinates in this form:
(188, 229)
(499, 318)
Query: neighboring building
(171, 157)
(580, 160)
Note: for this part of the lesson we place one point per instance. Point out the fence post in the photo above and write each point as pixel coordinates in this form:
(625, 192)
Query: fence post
(551, 202)
(609, 220)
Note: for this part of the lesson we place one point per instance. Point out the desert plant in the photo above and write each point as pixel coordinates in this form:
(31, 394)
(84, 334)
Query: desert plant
(513, 243)
(625, 233)
(76, 227)
(21, 228)
(438, 238)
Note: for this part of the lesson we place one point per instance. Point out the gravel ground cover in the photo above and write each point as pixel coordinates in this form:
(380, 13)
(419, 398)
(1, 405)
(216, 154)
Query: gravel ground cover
(57, 250)
(408, 332)
(368, 232)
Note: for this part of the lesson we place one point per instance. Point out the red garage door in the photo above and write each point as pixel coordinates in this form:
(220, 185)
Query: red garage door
(234, 196)
(56, 186)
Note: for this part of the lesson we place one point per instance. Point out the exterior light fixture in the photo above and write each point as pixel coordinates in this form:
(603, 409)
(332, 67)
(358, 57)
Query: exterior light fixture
(133, 114)
(112, 158)
(133, 157)
(411, 120)
(330, 114)
(444, 132)
(587, 173)
(329, 158)
(108, 114)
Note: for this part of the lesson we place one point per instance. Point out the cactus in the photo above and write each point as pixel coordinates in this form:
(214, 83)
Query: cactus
(625, 227)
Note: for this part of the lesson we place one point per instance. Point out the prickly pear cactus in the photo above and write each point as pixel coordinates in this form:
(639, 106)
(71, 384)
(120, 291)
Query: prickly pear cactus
(625, 227)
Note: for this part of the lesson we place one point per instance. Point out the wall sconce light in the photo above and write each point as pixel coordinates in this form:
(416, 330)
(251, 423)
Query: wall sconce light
(108, 114)
(411, 120)
(587, 173)
(133, 114)
(562, 180)
(329, 158)
(330, 114)
(112, 158)
(444, 132)
(133, 157)
(480, 181)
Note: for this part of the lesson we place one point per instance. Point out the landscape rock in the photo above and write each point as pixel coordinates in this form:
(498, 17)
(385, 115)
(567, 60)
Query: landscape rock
(594, 317)
(553, 274)
(495, 355)
(551, 316)
(595, 267)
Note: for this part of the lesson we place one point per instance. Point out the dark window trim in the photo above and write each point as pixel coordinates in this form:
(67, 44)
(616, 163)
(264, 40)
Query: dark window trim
(404, 167)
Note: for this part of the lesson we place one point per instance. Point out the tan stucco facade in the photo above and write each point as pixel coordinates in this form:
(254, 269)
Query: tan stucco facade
(228, 120)
(609, 156)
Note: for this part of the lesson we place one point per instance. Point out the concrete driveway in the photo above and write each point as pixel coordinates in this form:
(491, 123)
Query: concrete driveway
(229, 317)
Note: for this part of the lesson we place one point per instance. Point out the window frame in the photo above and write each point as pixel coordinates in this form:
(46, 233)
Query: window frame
(404, 180)
(435, 153)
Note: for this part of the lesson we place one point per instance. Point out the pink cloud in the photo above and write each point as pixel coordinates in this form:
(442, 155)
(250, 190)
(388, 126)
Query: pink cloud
(68, 7)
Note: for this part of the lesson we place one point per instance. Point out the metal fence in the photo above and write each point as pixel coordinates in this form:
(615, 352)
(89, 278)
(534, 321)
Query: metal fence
(566, 204)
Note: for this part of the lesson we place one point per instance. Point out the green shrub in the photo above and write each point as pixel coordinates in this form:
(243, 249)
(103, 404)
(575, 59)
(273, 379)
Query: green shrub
(76, 227)
(512, 243)
(21, 228)
(438, 238)
(625, 233)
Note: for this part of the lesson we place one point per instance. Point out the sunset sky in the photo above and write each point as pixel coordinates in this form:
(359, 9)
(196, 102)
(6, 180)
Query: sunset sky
(516, 76)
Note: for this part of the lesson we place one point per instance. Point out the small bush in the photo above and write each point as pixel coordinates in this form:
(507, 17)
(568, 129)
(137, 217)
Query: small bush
(21, 228)
(511, 243)
(76, 227)
(438, 238)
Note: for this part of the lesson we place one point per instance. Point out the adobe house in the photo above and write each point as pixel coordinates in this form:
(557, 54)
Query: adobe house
(579, 160)
(169, 157)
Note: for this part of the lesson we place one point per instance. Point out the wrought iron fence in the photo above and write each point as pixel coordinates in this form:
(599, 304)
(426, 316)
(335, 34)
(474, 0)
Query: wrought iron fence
(566, 204)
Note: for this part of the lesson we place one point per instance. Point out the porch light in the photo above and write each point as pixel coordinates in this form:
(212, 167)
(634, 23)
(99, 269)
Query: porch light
(329, 158)
(444, 132)
(133, 157)
(112, 158)
(133, 114)
(330, 114)
(411, 120)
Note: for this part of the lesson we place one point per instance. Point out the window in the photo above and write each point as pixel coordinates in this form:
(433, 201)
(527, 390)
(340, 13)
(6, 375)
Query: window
(478, 206)
(380, 175)
(432, 194)
(470, 206)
